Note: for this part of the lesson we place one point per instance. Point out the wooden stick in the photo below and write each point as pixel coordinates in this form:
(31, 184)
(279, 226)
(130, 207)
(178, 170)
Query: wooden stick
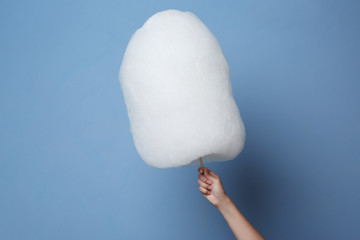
(201, 162)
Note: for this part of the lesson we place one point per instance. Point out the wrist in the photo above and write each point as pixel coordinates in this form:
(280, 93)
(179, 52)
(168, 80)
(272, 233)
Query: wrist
(223, 203)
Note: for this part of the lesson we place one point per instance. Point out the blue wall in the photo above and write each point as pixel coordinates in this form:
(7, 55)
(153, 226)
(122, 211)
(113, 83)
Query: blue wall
(68, 166)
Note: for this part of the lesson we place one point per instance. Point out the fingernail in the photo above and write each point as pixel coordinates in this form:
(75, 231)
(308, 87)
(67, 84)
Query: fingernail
(209, 182)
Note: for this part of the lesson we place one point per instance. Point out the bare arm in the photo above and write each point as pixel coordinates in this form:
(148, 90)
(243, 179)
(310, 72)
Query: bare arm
(212, 188)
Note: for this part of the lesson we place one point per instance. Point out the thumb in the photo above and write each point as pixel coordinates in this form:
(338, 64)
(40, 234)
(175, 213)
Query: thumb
(213, 174)
(207, 173)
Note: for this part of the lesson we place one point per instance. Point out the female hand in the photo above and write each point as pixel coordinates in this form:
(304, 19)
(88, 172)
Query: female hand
(211, 187)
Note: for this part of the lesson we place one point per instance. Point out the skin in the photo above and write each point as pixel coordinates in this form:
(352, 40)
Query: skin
(212, 189)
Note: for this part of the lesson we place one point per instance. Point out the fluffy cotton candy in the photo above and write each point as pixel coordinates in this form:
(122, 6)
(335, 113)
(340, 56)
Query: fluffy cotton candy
(177, 90)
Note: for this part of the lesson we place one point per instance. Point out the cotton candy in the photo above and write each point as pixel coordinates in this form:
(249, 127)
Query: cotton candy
(176, 84)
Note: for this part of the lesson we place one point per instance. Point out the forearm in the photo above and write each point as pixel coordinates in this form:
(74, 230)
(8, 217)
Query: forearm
(241, 228)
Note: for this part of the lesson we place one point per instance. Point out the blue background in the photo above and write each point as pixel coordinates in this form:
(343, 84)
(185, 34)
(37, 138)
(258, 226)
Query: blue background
(68, 165)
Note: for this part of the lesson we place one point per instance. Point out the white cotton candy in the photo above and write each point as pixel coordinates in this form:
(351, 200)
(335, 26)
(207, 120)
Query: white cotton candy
(177, 90)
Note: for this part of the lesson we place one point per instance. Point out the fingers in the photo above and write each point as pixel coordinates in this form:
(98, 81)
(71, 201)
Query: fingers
(204, 179)
(207, 175)
(204, 191)
(204, 185)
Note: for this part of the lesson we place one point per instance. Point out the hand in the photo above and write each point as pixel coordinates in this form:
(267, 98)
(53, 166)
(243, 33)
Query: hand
(211, 187)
